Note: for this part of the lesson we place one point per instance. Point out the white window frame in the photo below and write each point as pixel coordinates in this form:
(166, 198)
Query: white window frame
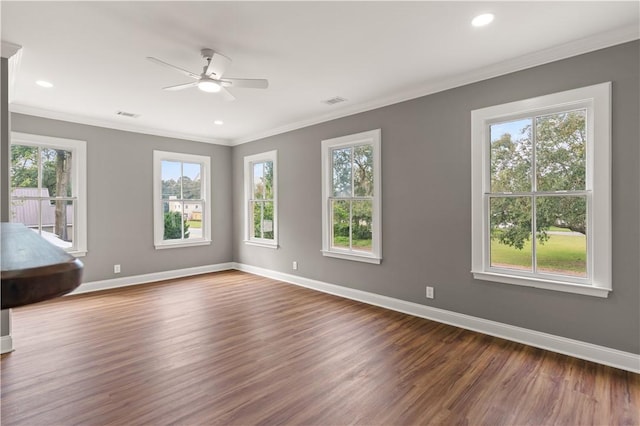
(249, 161)
(78, 149)
(158, 211)
(596, 100)
(373, 138)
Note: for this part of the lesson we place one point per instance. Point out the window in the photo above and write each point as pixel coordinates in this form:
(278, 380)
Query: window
(541, 192)
(351, 195)
(261, 195)
(182, 200)
(48, 189)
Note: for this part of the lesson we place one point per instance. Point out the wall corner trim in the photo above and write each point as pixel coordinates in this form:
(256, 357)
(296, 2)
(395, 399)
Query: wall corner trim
(148, 278)
(575, 348)
(6, 344)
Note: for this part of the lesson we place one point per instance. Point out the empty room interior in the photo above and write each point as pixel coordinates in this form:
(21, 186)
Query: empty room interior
(326, 213)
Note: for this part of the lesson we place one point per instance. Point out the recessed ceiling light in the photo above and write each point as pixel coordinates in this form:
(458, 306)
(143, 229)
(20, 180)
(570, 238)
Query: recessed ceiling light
(43, 83)
(482, 20)
(218, 122)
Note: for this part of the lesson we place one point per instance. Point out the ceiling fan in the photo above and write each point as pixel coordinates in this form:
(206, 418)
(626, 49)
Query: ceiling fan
(210, 80)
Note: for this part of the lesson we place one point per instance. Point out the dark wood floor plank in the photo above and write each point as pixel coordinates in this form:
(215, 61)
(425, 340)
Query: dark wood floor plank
(233, 348)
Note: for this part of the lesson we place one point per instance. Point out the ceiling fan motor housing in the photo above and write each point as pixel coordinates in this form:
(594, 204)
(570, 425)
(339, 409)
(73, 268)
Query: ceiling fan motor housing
(207, 53)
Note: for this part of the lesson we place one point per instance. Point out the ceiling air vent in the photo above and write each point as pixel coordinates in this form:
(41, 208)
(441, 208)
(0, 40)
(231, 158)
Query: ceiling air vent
(334, 101)
(128, 114)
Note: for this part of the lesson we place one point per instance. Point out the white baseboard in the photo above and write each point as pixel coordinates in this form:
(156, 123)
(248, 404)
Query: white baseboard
(6, 344)
(575, 348)
(148, 278)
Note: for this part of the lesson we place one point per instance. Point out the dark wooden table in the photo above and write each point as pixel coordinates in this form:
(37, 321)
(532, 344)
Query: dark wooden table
(33, 269)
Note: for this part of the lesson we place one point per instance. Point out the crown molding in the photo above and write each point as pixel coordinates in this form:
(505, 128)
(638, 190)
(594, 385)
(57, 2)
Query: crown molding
(8, 49)
(92, 121)
(563, 51)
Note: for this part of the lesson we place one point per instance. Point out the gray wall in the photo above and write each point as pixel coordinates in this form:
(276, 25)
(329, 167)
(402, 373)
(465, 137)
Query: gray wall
(426, 203)
(120, 199)
(426, 184)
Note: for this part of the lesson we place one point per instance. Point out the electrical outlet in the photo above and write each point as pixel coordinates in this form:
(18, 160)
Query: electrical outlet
(430, 293)
(116, 269)
(295, 265)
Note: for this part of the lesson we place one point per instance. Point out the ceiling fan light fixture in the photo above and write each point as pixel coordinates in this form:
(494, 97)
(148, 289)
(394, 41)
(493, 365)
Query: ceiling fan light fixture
(209, 86)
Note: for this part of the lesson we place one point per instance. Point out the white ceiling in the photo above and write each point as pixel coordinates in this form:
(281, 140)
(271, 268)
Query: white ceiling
(371, 53)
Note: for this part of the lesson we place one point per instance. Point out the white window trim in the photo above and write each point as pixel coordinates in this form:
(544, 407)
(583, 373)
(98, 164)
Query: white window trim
(78, 150)
(248, 189)
(374, 138)
(597, 100)
(158, 213)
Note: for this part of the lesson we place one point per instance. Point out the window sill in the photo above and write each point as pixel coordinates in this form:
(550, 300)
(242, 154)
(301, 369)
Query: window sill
(183, 244)
(566, 287)
(352, 256)
(260, 244)
(81, 253)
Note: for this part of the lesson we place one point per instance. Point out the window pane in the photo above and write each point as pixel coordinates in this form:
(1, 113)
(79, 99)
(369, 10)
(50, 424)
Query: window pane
(262, 219)
(171, 174)
(341, 165)
(57, 222)
(268, 180)
(48, 213)
(26, 212)
(267, 220)
(193, 214)
(191, 183)
(173, 220)
(363, 170)
(560, 151)
(561, 246)
(361, 221)
(56, 172)
(256, 219)
(340, 225)
(511, 156)
(24, 167)
(173, 206)
(258, 181)
(510, 227)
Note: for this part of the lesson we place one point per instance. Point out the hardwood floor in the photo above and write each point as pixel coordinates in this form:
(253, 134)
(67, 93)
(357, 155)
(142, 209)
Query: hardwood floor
(233, 348)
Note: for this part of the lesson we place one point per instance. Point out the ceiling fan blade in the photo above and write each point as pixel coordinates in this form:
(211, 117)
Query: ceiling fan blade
(181, 86)
(164, 64)
(250, 83)
(217, 65)
(227, 95)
